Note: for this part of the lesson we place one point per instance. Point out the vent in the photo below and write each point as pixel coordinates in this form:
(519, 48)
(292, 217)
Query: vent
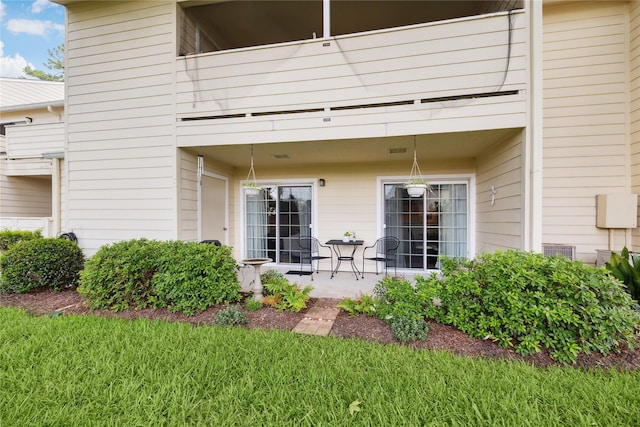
(553, 249)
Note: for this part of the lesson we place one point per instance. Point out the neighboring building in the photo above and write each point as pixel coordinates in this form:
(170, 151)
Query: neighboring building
(521, 114)
(32, 147)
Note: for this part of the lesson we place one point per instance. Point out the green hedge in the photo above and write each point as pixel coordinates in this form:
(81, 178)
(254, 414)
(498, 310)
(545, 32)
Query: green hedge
(183, 277)
(522, 300)
(11, 237)
(37, 263)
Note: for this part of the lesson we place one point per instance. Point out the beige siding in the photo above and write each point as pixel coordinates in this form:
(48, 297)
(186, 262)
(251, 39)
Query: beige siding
(585, 122)
(411, 64)
(25, 196)
(634, 30)
(34, 140)
(121, 161)
(188, 195)
(500, 226)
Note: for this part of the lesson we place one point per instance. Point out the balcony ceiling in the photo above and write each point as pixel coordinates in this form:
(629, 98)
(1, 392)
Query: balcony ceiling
(368, 150)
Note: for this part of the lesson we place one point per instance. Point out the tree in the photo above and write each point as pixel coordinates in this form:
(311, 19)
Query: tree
(54, 63)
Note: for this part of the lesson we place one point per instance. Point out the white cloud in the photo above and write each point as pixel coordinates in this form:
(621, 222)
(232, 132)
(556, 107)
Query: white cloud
(3, 11)
(39, 5)
(12, 66)
(33, 27)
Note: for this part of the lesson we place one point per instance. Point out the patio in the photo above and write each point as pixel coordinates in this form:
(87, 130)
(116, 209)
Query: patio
(342, 285)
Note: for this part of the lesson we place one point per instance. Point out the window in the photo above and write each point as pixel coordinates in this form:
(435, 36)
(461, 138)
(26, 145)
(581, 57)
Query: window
(428, 226)
(275, 220)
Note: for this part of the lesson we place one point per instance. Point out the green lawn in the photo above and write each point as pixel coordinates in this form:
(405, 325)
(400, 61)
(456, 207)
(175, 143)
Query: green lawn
(79, 371)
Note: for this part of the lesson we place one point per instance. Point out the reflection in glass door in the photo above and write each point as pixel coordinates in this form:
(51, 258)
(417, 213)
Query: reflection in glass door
(275, 220)
(428, 226)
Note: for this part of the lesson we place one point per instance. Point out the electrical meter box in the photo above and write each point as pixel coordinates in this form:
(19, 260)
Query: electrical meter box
(617, 210)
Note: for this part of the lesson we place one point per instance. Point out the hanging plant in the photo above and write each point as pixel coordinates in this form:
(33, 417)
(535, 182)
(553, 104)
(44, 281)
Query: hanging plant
(417, 185)
(251, 187)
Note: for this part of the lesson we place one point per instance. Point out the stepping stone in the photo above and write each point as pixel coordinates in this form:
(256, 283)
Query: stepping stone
(317, 321)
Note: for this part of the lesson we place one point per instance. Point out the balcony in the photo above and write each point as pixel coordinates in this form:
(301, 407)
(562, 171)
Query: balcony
(29, 148)
(457, 75)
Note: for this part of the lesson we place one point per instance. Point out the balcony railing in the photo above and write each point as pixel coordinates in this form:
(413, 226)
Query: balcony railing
(419, 68)
(33, 141)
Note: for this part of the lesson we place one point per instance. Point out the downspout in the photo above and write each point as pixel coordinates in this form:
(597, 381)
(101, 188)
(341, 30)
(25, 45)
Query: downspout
(199, 172)
(56, 205)
(534, 132)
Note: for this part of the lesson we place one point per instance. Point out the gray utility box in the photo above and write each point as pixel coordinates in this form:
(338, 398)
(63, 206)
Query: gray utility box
(617, 210)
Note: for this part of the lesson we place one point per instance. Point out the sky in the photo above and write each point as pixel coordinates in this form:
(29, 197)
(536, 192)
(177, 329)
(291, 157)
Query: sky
(28, 29)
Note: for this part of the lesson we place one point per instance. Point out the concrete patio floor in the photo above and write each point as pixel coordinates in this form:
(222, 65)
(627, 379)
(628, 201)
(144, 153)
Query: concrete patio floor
(343, 284)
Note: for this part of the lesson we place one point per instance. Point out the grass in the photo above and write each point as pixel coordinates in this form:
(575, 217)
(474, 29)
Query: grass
(82, 371)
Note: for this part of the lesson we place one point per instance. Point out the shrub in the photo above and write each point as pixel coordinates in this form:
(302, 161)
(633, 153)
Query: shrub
(253, 304)
(118, 276)
(528, 301)
(366, 304)
(180, 276)
(230, 316)
(397, 297)
(409, 328)
(626, 272)
(193, 276)
(37, 263)
(282, 294)
(11, 237)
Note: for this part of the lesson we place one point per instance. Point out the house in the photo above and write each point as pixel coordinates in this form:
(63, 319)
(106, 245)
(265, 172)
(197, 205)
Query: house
(32, 145)
(519, 113)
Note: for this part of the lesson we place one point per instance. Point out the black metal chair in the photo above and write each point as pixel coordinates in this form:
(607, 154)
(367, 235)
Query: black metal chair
(212, 242)
(310, 252)
(386, 251)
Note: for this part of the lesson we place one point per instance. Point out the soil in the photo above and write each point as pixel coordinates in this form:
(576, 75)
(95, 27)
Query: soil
(440, 337)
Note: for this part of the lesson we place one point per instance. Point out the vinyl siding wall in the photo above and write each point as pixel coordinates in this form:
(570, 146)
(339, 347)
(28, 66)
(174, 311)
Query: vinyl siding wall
(121, 162)
(634, 30)
(25, 196)
(586, 147)
(500, 226)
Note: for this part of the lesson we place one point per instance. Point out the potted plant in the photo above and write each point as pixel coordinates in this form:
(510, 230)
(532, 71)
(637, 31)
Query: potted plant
(416, 187)
(251, 189)
(349, 236)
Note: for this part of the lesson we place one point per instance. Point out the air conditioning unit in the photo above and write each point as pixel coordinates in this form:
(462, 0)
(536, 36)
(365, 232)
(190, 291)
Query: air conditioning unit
(549, 249)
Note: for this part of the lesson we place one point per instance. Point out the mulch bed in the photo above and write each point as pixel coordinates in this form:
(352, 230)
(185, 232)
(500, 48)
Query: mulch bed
(440, 337)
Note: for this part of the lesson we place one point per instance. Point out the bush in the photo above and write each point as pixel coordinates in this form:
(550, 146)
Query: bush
(230, 316)
(626, 272)
(408, 328)
(11, 237)
(253, 304)
(283, 295)
(366, 304)
(37, 263)
(525, 300)
(180, 276)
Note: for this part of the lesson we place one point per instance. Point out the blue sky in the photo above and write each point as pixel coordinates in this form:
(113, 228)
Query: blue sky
(28, 29)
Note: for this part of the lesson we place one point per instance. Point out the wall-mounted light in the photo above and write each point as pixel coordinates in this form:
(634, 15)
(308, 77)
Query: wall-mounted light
(321, 182)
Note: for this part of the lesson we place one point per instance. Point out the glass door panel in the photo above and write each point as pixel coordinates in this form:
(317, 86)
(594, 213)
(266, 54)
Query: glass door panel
(428, 226)
(275, 220)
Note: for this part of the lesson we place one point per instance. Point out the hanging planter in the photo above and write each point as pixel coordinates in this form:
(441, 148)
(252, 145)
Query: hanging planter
(251, 187)
(417, 186)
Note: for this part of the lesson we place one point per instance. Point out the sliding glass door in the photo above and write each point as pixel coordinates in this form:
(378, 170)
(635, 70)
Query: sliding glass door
(275, 220)
(428, 226)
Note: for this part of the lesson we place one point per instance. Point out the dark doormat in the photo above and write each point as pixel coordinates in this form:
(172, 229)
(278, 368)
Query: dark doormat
(299, 273)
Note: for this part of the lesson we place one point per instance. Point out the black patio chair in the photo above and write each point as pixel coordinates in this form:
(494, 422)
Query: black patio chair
(386, 251)
(310, 252)
(212, 242)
